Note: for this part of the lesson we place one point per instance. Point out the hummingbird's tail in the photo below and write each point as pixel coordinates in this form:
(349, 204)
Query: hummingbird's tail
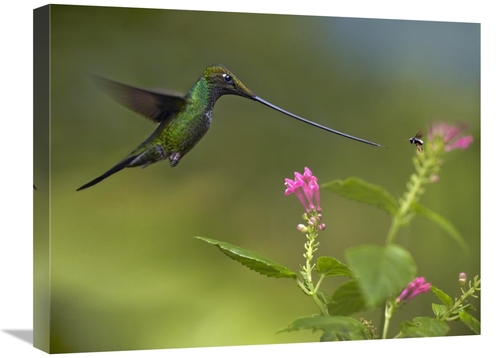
(110, 172)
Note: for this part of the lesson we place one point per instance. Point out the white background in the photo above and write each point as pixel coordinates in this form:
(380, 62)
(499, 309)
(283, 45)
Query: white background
(16, 171)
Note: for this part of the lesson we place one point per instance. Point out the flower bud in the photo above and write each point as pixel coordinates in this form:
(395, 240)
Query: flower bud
(462, 278)
(321, 226)
(414, 288)
(302, 228)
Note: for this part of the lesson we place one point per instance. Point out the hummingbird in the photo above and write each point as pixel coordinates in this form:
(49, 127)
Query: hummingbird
(418, 142)
(182, 119)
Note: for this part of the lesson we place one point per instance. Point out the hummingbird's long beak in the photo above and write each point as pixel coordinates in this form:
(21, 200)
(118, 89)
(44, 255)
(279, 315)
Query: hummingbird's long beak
(258, 99)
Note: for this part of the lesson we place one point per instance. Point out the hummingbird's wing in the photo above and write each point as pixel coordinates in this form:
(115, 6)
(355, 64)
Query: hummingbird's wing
(156, 106)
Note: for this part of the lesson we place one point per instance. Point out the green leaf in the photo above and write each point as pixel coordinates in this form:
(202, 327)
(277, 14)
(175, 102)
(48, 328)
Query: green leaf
(469, 307)
(329, 266)
(381, 271)
(328, 337)
(252, 260)
(438, 309)
(325, 298)
(443, 223)
(448, 302)
(424, 327)
(364, 192)
(347, 300)
(335, 328)
(470, 321)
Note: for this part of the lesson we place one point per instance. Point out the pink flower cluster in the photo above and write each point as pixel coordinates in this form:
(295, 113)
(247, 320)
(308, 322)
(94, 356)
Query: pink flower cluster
(306, 187)
(414, 288)
(450, 135)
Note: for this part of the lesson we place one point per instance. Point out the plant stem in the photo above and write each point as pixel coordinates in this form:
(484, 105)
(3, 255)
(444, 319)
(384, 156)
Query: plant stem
(309, 287)
(320, 304)
(424, 168)
(458, 303)
(393, 230)
(389, 310)
(309, 256)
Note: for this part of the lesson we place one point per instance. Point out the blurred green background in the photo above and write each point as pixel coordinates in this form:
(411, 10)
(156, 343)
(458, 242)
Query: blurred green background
(126, 271)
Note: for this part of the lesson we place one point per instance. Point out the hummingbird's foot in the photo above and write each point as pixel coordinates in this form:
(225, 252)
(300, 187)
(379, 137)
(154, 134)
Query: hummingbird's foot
(174, 159)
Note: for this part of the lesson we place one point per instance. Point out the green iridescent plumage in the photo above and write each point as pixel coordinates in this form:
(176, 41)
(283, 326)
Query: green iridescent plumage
(182, 120)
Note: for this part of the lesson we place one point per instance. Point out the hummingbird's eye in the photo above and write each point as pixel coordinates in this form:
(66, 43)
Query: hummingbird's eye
(227, 78)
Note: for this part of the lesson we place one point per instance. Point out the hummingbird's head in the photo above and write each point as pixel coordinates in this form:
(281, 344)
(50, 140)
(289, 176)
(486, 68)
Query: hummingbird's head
(222, 82)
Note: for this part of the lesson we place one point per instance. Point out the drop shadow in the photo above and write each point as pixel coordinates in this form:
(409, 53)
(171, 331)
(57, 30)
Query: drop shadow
(23, 334)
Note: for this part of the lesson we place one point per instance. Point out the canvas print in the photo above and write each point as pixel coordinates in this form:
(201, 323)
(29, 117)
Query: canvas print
(212, 179)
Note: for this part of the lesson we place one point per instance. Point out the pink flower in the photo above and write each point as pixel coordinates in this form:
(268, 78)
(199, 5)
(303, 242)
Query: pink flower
(306, 187)
(462, 143)
(414, 288)
(451, 135)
